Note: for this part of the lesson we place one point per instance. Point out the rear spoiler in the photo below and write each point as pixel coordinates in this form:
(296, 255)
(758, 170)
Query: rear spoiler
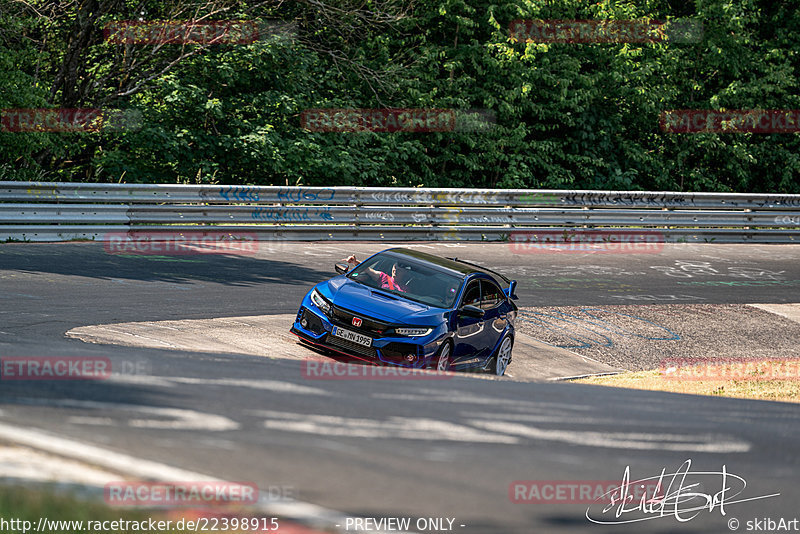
(504, 278)
(510, 291)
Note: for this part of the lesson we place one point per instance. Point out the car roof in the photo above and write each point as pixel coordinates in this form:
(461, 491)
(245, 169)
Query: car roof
(464, 269)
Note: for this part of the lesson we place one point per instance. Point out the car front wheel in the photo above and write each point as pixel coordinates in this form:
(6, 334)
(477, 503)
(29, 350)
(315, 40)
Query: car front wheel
(443, 359)
(503, 357)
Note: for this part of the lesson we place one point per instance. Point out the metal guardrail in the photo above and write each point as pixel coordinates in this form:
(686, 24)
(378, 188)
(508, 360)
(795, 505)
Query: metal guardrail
(42, 211)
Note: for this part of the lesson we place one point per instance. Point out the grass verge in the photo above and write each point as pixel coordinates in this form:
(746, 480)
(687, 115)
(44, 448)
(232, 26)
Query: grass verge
(748, 387)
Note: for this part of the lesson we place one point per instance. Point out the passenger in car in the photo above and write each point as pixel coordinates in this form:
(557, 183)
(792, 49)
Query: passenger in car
(396, 281)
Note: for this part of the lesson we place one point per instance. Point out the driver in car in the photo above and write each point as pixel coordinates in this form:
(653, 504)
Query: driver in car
(396, 281)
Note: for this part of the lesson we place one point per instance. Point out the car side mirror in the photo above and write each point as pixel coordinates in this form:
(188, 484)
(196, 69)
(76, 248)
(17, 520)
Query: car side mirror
(341, 268)
(470, 311)
(512, 290)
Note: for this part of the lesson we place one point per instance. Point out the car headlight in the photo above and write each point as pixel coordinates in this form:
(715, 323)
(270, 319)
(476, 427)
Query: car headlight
(320, 302)
(413, 332)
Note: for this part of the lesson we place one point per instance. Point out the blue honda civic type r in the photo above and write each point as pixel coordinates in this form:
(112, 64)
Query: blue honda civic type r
(407, 308)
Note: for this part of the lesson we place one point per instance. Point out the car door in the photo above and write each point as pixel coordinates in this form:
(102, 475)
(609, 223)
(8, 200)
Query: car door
(469, 330)
(495, 315)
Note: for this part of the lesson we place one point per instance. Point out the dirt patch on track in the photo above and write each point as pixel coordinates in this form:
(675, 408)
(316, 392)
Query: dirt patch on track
(640, 337)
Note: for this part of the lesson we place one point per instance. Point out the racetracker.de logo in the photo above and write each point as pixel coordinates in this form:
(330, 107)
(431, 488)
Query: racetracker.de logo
(315, 369)
(764, 121)
(192, 32)
(180, 243)
(54, 368)
(605, 31)
(581, 241)
(80, 120)
(582, 491)
(730, 369)
(193, 493)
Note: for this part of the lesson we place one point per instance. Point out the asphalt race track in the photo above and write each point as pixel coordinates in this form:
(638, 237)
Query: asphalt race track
(387, 448)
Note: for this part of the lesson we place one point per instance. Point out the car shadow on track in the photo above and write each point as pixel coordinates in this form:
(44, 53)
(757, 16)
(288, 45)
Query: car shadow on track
(91, 260)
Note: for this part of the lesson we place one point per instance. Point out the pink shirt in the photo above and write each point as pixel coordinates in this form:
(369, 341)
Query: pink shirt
(387, 282)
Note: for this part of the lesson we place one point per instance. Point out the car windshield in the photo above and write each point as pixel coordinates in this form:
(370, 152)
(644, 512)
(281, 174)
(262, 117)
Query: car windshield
(413, 279)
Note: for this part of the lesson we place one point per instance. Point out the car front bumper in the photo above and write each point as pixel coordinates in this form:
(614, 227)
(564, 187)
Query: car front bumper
(312, 326)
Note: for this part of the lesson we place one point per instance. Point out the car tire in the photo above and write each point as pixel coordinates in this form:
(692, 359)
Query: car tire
(503, 357)
(444, 359)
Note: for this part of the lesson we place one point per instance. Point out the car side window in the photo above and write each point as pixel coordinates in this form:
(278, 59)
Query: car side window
(492, 295)
(472, 296)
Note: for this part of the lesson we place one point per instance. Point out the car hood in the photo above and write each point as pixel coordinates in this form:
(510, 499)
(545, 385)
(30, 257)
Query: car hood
(371, 302)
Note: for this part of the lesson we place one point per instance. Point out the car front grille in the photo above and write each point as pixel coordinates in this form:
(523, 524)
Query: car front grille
(370, 327)
(351, 347)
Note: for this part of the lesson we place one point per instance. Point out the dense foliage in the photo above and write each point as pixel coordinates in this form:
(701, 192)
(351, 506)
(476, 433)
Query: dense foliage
(568, 115)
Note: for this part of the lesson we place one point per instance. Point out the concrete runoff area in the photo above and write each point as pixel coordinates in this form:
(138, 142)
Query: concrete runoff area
(767, 366)
(268, 336)
(642, 337)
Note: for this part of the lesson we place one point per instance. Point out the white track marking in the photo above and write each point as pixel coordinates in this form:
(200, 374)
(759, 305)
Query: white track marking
(29, 465)
(169, 418)
(310, 514)
(622, 440)
(392, 428)
(271, 385)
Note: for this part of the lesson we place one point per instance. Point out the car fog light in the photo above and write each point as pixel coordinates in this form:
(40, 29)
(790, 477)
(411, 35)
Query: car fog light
(410, 357)
(303, 322)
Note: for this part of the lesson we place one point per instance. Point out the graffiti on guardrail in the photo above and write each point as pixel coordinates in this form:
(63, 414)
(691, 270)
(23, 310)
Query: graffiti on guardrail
(378, 215)
(467, 197)
(459, 216)
(239, 193)
(793, 201)
(400, 197)
(628, 199)
(427, 197)
(787, 220)
(300, 194)
(589, 327)
(293, 214)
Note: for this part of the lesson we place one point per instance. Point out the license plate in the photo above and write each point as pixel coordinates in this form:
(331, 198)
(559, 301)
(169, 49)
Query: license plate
(355, 337)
